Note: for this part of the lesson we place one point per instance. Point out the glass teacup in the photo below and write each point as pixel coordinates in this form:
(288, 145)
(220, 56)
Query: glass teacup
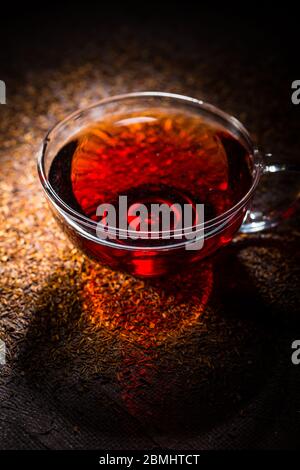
(164, 171)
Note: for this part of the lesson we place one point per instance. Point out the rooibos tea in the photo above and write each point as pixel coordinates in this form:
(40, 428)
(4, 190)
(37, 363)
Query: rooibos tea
(154, 156)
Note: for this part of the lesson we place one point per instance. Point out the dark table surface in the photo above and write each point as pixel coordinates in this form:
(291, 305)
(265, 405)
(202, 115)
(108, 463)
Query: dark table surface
(219, 375)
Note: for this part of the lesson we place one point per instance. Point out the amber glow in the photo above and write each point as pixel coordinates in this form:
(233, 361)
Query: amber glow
(146, 314)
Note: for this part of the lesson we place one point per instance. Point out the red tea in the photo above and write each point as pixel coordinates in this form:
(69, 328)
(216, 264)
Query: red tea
(152, 157)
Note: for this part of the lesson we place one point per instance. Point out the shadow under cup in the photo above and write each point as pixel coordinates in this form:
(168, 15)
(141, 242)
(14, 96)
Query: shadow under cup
(169, 168)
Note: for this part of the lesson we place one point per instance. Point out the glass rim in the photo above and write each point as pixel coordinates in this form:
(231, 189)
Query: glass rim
(80, 218)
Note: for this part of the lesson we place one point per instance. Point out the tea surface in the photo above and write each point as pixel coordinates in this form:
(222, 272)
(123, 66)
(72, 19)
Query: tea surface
(152, 157)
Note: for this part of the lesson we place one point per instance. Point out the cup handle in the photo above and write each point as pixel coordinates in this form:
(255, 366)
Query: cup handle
(269, 207)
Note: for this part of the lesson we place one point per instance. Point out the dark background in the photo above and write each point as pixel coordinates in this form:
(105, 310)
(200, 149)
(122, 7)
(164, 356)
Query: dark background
(240, 54)
(242, 58)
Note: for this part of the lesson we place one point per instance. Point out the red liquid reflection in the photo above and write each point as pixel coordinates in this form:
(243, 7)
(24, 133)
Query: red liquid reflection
(146, 316)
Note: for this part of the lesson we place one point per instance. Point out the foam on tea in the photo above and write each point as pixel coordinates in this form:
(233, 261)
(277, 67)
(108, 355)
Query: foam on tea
(152, 157)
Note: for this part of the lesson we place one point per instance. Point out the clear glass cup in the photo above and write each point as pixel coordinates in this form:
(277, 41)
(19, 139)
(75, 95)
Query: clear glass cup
(160, 257)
